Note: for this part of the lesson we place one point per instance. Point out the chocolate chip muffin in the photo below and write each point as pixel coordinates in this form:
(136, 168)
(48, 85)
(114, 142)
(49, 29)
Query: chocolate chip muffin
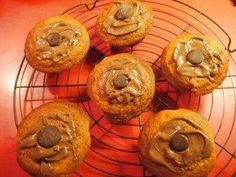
(124, 23)
(56, 44)
(177, 143)
(122, 85)
(196, 63)
(53, 139)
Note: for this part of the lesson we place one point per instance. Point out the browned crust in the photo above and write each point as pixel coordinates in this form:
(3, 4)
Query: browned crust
(48, 65)
(198, 169)
(199, 86)
(82, 140)
(128, 39)
(120, 113)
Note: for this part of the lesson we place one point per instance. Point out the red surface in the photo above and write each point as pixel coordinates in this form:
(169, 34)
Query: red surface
(16, 19)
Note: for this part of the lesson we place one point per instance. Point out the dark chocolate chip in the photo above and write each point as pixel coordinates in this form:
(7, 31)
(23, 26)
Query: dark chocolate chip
(120, 81)
(179, 142)
(123, 13)
(195, 57)
(49, 136)
(54, 39)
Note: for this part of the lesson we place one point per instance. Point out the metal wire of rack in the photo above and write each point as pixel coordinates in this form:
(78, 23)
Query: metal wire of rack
(113, 151)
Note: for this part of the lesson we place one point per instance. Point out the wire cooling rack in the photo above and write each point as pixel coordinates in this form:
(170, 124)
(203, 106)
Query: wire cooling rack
(114, 151)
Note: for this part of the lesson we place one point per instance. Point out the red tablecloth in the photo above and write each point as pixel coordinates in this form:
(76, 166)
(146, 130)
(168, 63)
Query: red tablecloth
(16, 19)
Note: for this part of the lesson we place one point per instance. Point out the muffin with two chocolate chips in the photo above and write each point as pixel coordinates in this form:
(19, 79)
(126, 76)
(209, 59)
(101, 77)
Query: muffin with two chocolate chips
(177, 143)
(53, 139)
(122, 85)
(196, 63)
(56, 44)
(124, 23)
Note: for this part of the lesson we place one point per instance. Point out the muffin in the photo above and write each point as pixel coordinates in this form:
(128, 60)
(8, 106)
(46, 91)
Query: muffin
(124, 23)
(122, 85)
(53, 140)
(196, 63)
(56, 44)
(177, 143)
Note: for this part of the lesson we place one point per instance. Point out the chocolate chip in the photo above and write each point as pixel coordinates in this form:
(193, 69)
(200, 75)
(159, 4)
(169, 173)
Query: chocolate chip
(54, 39)
(195, 57)
(49, 136)
(179, 142)
(120, 81)
(123, 13)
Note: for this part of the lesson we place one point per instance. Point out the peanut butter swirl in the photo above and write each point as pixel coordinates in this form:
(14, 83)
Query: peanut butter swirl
(50, 140)
(195, 58)
(56, 41)
(122, 82)
(123, 18)
(179, 143)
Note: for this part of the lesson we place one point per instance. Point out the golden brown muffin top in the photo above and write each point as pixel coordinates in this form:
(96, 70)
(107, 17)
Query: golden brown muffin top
(124, 17)
(49, 140)
(122, 81)
(56, 40)
(179, 143)
(196, 58)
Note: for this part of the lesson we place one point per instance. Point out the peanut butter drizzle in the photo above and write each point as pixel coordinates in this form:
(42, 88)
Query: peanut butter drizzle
(112, 25)
(208, 68)
(200, 146)
(45, 156)
(135, 88)
(70, 36)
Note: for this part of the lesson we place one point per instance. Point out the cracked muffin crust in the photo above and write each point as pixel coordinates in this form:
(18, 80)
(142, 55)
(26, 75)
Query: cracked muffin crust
(53, 139)
(124, 23)
(196, 63)
(56, 44)
(177, 143)
(122, 85)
